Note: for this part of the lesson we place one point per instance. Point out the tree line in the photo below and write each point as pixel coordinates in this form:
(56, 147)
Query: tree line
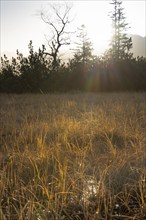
(43, 71)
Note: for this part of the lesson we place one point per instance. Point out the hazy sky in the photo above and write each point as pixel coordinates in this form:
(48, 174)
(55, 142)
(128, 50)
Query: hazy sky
(20, 24)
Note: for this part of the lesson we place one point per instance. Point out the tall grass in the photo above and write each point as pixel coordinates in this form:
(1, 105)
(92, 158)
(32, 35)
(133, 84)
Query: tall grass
(72, 156)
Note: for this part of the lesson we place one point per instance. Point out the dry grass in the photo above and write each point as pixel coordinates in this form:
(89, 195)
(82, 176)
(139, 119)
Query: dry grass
(72, 156)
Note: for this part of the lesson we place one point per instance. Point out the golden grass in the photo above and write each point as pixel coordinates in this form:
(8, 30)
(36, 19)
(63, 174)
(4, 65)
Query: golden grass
(72, 156)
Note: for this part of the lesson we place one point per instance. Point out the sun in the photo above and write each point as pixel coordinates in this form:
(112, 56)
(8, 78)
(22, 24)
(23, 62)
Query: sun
(100, 39)
(95, 16)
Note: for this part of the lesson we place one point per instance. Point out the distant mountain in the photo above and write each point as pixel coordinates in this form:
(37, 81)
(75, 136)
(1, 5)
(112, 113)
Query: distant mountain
(139, 45)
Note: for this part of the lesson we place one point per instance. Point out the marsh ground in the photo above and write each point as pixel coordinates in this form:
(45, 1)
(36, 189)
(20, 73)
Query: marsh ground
(73, 156)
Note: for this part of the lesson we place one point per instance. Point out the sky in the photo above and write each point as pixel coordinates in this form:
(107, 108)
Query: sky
(20, 22)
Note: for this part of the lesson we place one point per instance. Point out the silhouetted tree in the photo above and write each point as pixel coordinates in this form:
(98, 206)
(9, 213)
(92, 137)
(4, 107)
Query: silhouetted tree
(34, 69)
(9, 76)
(121, 44)
(83, 52)
(58, 24)
(81, 62)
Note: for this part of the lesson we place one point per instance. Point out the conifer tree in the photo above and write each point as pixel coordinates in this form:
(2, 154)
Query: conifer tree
(121, 43)
(83, 52)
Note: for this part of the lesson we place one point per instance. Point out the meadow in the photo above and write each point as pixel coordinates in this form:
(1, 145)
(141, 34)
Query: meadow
(78, 156)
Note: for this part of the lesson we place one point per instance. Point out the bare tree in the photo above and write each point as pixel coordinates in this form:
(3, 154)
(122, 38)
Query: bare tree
(58, 22)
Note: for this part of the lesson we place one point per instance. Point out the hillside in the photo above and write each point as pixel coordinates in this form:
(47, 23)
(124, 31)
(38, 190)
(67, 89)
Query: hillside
(139, 45)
